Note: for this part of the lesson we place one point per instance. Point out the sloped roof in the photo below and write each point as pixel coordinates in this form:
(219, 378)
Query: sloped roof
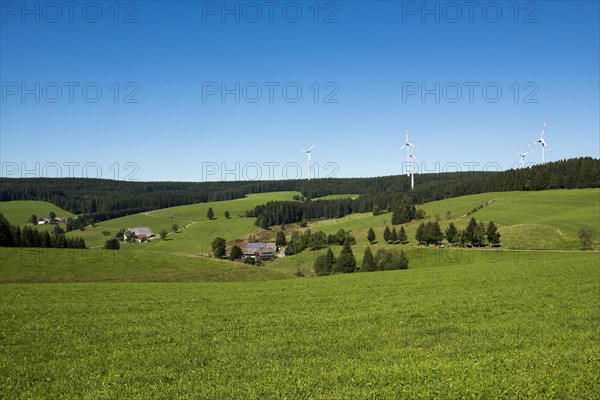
(141, 230)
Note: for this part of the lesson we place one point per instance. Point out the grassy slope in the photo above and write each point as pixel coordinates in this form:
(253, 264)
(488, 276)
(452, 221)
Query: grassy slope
(505, 329)
(96, 265)
(19, 212)
(196, 238)
(527, 220)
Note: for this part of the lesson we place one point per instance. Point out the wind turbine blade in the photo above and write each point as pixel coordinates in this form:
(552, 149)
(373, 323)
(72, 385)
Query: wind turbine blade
(516, 151)
(543, 129)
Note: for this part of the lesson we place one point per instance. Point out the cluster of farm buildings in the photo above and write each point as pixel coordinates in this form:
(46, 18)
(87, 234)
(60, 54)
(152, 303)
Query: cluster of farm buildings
(262, 251)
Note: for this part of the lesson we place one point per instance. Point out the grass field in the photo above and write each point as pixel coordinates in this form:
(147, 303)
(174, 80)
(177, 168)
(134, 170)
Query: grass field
(19, 212)
(517, 327)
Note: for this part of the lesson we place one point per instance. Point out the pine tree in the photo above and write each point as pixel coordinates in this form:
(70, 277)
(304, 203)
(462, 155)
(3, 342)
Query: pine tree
(402, 238)
(280, 239)
(6, 233)
(371, 235)
(210, 214)
(394, 235)
(368, 263)
(452, 233)
(420, 235)
(387, 234)
(470, 232)
(346, 263)
(479, 234)
(492, 234)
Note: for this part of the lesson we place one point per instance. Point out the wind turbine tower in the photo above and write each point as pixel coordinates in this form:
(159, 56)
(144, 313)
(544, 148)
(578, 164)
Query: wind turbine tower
(308, 152)
(410, 171)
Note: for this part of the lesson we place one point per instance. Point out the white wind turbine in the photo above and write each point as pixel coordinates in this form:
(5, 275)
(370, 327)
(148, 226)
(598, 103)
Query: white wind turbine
(542, 141)
(308, 152)
(409, 158)
(412, 175)
(522, 155)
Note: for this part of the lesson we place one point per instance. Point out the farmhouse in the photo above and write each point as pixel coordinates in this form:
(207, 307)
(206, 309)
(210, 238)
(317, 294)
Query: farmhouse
(140, 234)
(263, 251)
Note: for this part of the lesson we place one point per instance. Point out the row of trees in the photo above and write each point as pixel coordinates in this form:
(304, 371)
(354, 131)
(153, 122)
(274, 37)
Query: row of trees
(328, 264)
(15, 236)
(383, 260)
(475, 234)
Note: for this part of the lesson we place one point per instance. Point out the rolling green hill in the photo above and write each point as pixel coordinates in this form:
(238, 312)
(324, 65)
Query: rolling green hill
(198, 233)
(527, 220)
(19, 212)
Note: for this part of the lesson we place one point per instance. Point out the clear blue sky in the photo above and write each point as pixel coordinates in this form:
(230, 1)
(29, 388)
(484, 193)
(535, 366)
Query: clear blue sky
(370, 57)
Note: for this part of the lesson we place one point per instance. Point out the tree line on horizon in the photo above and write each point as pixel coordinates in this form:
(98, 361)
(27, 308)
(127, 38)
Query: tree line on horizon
(101, 199)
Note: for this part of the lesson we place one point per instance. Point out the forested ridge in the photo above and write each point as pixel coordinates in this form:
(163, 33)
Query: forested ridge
(105, 199)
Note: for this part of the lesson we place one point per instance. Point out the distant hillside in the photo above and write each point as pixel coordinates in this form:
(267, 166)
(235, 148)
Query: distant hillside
(19, 212)
(107, 199)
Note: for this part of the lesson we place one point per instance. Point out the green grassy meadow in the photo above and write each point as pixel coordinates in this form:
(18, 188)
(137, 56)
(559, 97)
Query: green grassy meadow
(162, 320)
(513, 328)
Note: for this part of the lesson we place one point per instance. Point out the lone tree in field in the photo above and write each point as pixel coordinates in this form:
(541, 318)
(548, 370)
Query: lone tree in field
(227, 215)
(236, 253)
(588, 236)
(219, 247)
(368, 263)
(492, 234)
(52, 215)
(175, 227)
(163, 234)
(33, 219)
(371, 235)
(112, 244)
(210, 214)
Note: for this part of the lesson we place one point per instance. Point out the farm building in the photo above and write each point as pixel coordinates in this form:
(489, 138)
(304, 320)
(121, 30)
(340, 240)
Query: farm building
(263, 251)
(140, 234)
